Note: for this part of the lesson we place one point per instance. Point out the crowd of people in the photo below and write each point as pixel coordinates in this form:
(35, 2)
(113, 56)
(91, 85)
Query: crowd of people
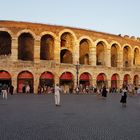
(44, 89)
(126, 90)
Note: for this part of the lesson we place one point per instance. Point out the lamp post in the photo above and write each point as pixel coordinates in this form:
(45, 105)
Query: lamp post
(77, 74)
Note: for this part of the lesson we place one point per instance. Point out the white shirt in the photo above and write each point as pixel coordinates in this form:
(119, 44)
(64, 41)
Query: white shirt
(57, 90)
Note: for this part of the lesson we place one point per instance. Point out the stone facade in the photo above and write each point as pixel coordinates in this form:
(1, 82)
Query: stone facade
(96, 53)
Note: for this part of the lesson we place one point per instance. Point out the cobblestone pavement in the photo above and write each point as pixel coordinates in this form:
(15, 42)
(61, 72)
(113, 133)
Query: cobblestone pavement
(80, 117)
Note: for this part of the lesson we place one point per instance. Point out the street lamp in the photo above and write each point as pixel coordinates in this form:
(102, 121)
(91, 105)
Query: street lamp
(77, 73)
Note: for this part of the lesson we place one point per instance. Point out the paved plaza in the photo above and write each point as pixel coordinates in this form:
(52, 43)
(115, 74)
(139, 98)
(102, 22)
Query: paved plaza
(80, 117)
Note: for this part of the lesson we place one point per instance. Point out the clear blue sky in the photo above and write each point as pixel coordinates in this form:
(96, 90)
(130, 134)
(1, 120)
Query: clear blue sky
(110, 16)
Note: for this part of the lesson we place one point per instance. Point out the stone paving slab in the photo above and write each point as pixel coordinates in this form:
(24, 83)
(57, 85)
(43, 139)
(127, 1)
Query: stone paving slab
(80, 117)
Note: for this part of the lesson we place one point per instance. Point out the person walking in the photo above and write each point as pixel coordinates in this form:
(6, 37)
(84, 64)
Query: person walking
(4, 91)
(124, 96)
(104, 92)
(57, 95)
(11, 89)
(27, 89)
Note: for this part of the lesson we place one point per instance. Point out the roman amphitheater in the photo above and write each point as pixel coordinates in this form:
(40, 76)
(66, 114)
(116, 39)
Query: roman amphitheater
(40, 54)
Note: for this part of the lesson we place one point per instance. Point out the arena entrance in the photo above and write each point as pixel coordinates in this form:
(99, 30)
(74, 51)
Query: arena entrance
(5, 78)
(66, 82)
(114, 82)
(24, 78)
(126, 79)
(136, 80)
(46, 82)
(85, 79)
(101, 80)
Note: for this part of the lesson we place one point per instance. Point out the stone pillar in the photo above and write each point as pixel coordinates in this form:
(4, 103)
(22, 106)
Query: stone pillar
(92, 55)
(57, 51)
(120, 59)
(36, 83)
(14, 49)
(108, 83)
(14, 83)
(76, 53)
(131, 60)
(108, 58)
(94, 82)
(75, 82)
(120, 83)
(37, 50)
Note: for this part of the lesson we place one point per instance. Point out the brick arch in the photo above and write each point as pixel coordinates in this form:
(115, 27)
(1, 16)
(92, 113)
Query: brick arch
(115, 80)
(8, 31)
(86, 38)
(25, 78)
(101, 53)
(85, 79)
(67, 70)
(136, 56)
(67, 35)
(26, 31)
(66, 80)
(46, 79)
(136, 79)
(124, 45)
(48, 33)
(101, 80)
(127, 57)
(115, 43)
(114, 52)
(67, 31)
(84, 51)
(5, 43)
(66, 56)
(47, 47)
(126, 79)
(105, 43)
(5, 74)
(85, 71)
(136, 47)
(5, 78)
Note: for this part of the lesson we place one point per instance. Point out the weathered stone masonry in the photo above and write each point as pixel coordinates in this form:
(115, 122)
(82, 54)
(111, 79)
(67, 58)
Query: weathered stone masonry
(31, 49)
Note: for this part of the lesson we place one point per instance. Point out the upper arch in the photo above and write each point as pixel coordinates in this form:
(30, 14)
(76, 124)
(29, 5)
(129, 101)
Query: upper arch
(8, 31)
(26, 31)
(47, 33)
(67, 31)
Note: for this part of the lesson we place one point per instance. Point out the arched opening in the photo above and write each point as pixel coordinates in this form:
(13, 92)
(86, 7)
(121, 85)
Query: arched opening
(47, 48)
(115, 81)
(136, 80)
(25, 47)
(100, 54)
(5, 78)
(85, 79)
(66, 82)
(126, 56)
(114, 55)
(84, 52)
(46, 82)
(126, 80)
(136, 60)
(5, 43)
(67, 41)
(24, 79)
(66, 56)
(101, 80)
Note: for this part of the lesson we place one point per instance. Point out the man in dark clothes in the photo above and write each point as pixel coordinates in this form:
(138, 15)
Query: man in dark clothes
(124, 97)
(104, 92)
(11, 89)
